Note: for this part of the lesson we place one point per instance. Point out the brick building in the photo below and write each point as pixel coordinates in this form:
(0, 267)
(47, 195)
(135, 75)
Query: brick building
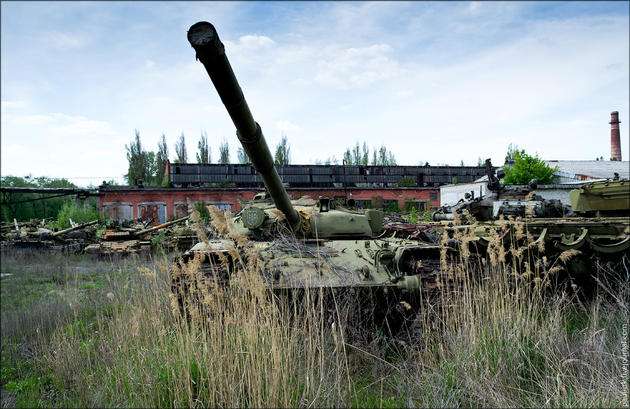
(226, 185)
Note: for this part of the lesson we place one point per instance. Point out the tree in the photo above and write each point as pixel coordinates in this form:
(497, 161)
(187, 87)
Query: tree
(25, 206)
(356, 154)
(136, 159)
(242, 156)
(180, 150)
(385, 158)
(366, 154)
(150, 169)
(203, 156)
(391, 160)
(347, 157)
(283, 152)
(161, 158)
(526, 168)
(512, 149)
(224, 153)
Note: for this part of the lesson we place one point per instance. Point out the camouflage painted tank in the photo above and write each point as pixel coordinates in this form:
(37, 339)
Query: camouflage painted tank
(309, 242)
(127, 241)
(34, 236)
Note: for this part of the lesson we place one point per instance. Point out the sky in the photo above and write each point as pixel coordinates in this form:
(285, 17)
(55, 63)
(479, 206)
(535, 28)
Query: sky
(437, 82)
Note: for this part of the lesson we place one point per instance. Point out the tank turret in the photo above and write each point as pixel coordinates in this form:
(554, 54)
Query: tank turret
(320, 218)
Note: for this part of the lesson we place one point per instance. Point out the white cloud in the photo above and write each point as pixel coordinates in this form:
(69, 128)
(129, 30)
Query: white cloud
(66, 41)
(474, 6)
(356, 66)
(287, 126)
(33, 119)
(255, 42)
(432, 85)
(12, 104)
(14, 149)
(77, 125)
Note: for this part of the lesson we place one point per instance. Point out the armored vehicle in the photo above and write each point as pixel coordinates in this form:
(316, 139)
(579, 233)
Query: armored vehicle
(602, 198)
(34, 236)
(503, 200)
(126, 241)
(303, 243)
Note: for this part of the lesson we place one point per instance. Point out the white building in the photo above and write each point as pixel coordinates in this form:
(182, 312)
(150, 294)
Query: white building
(571, 175)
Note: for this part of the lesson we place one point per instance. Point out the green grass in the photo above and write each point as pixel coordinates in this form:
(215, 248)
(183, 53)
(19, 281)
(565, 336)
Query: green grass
(80, 332)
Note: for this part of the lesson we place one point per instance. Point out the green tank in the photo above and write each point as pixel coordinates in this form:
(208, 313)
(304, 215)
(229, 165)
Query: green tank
(308, 242)
(602, 198)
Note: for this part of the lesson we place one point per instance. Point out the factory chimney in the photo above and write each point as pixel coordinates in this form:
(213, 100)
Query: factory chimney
(615, 139)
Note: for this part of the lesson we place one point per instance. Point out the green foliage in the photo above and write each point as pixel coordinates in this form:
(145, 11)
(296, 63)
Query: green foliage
(413, 215)
(166, 181)
(283, 152)
(393, 207)
(78, 214)
(158, 239)
(203, 155)
(224, 153)
(347, 157)
(359, 155)
(385, 157)
(136, 158)
(454, 180)
(407, 181)
(204, 214)
(526, 168)
(10, 206)
(145, 165)
(161, 158)
(427, 216)
(242, 156)
(180, 150)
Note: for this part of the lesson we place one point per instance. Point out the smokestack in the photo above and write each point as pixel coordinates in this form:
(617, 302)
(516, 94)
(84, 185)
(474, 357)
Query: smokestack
(615, 139)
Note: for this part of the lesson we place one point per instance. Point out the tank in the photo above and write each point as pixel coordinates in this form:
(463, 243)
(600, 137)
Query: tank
(503, 200)
(596, 227)
(602, 198)
(34, 236)
(307, 242)
(127, 241)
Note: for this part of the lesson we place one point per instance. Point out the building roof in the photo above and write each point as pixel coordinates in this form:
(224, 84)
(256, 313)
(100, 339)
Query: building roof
(592, 169)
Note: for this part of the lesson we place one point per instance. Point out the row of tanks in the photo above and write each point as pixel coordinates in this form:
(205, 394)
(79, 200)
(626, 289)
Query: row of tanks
(98, 238)
(320, 243)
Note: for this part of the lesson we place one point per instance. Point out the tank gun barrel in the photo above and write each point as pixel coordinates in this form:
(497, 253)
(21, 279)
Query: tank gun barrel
(160, 226)
(81, 226)
(211, 53)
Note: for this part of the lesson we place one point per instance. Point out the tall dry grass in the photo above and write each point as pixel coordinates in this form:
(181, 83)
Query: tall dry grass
(500, 338)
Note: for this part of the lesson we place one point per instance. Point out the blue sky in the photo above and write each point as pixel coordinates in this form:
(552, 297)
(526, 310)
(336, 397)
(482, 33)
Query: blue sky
(433, 81)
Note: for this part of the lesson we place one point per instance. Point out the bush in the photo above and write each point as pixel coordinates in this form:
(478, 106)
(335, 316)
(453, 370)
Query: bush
(413, 215)
(393, 207)
(78, 214)
(407, 181)
(526, 168)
